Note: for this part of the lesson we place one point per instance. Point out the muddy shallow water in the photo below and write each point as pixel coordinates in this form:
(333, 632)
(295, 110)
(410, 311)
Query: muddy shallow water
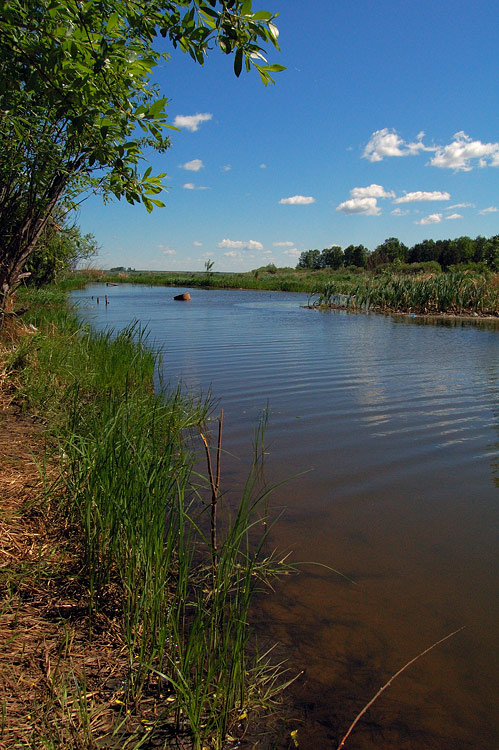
(387, 430)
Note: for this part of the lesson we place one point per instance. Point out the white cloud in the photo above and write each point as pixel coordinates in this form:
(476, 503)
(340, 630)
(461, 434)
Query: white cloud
(298, 200)
(431, 219)
(461, 205)
(421, 195)
(240, 245)
(364, 200)
(192, 166)
(386, 142)
(293, 252)
(454, 216)
(196, 243)
(226, 168)
(372, 191)
(232, 254)
(167, 250)
(489, 210)
(263, 166)
(366, 206)
(287, 243)
(400, 212)
(460, 154)
(192, 186)
(191, 122)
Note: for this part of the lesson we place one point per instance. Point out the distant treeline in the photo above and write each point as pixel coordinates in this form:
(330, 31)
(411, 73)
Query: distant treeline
(462, 250)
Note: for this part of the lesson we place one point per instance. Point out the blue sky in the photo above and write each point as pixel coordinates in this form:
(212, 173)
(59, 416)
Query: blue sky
(385, 123)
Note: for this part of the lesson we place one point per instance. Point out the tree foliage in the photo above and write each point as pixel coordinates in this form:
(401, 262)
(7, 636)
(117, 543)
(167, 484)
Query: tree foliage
(356, 255)
(61, 248)
(77, 106)
(389, 251)
(444, 253)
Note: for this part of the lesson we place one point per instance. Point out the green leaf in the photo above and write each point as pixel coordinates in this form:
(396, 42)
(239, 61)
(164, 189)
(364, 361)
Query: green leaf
(113, 22)
(275, 68)
(238, 62)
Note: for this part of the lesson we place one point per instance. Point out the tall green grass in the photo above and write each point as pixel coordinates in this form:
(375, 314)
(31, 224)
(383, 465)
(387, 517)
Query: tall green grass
(142, 522)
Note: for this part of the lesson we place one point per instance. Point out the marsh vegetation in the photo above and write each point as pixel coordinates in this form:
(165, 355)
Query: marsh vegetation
(150, 563)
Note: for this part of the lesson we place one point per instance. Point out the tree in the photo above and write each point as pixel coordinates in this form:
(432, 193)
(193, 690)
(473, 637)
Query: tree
(310, 259)
(77, 107)
(491, 254)
(61, 248)
(460, 250)
(389, 251)
(332, 257)
(356, 255)
(423, 251)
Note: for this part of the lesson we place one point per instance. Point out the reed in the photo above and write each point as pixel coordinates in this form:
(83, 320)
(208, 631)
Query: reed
(456, 292)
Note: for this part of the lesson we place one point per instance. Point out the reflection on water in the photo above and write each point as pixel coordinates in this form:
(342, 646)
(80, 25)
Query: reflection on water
(389, 428)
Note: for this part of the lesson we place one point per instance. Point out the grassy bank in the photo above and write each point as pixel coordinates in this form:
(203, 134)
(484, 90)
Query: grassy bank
(282, 280)
(148, 590)
(412, 289)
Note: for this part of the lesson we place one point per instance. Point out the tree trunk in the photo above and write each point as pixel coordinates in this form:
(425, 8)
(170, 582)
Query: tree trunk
(22, 243)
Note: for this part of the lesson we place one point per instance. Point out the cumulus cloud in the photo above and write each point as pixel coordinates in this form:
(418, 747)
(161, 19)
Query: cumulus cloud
(240, 245)
(226, 168)
(421, 195)
(196, 243)
(371, 191)
(489, 210)
(191, 122)
(167, 250)
(400, 212)
(292, 252)
(192, 166)
(232, 254)
(387, 142)
(298, 200)
(463, 154)
(286, 243)
(431, 219)
(366, 206)
(364, 200)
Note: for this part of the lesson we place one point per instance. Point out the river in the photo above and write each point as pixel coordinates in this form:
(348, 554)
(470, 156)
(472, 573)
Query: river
(386, 430)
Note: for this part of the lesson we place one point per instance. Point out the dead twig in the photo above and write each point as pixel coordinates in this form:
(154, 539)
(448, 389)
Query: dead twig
(215, 486)
(387, 684)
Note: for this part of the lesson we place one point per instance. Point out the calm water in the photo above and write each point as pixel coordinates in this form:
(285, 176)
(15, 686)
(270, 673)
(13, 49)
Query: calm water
(389, 429)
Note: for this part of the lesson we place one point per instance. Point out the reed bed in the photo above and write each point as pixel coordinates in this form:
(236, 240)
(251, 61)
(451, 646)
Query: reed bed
(178, 583)
(455, 293)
